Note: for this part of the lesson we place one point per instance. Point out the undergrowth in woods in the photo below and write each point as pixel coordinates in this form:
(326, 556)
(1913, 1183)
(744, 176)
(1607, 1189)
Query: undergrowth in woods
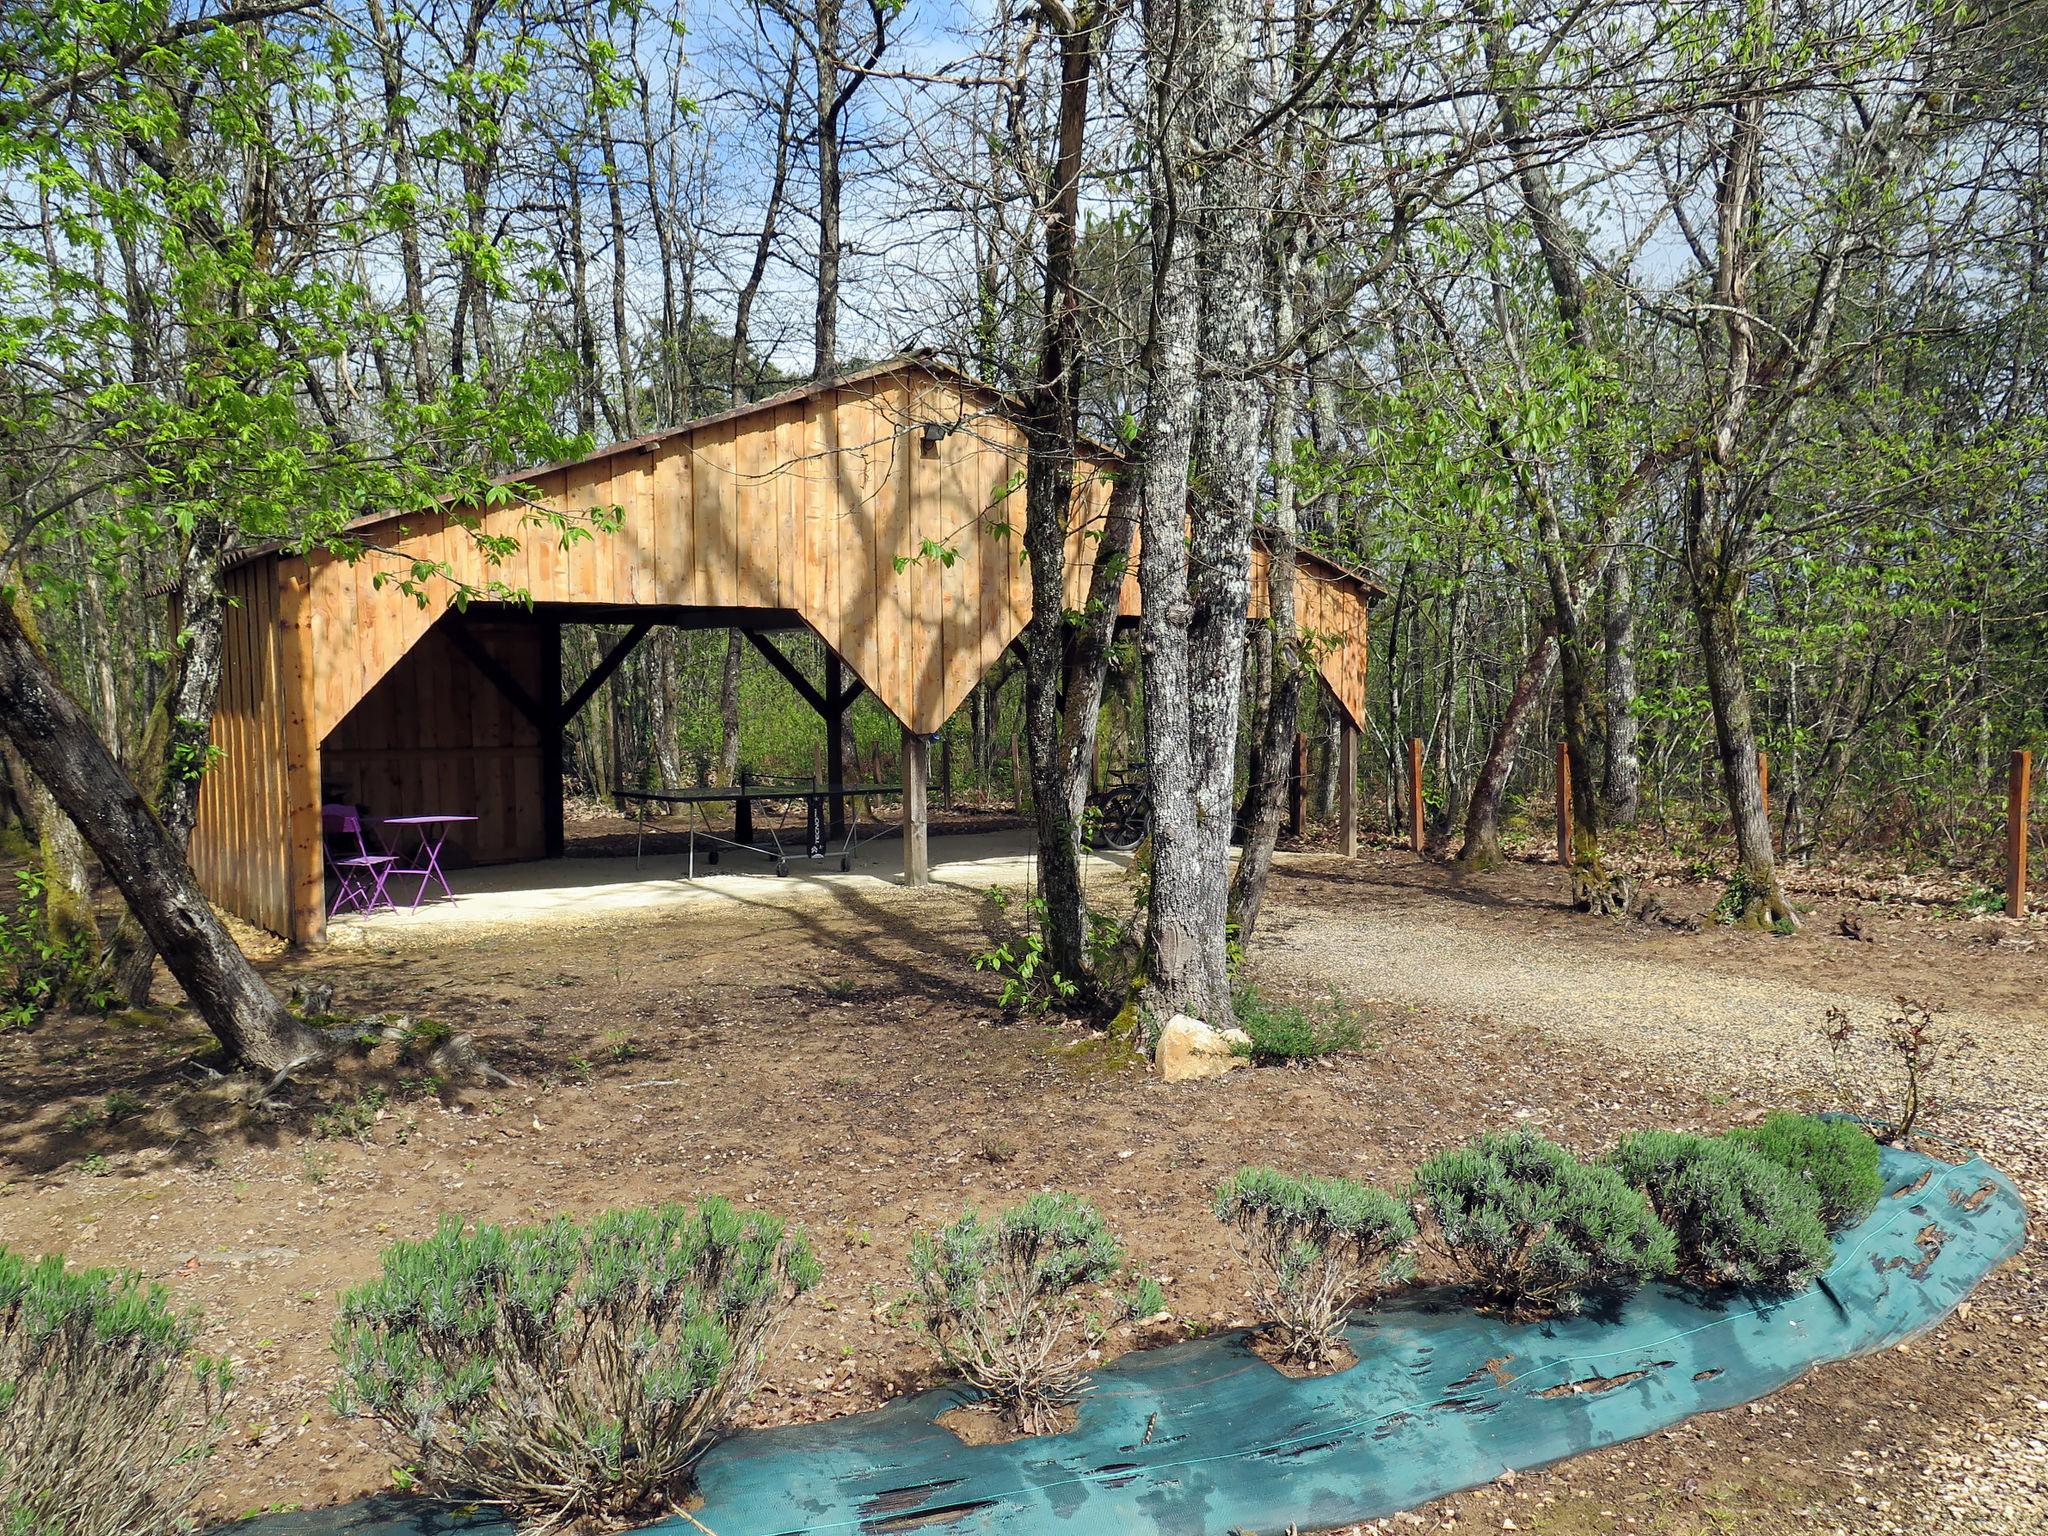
(106, 1417)
(1284, 1032)
(570, 1371)
(41, 968)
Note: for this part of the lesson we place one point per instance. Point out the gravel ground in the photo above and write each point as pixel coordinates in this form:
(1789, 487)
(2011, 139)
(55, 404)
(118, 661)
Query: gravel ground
(1718, 1016)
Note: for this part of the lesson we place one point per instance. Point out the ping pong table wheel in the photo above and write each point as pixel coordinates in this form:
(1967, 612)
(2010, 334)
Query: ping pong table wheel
(845, 864)
(782, 866)
(711, 857)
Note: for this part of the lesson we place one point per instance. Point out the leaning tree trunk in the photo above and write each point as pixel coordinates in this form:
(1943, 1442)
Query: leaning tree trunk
(180, 734)
(57, 741)
(1481, 848)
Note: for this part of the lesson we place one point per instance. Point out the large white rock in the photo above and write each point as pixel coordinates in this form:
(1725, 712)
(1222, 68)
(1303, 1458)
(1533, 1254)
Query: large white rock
(1189, 1049)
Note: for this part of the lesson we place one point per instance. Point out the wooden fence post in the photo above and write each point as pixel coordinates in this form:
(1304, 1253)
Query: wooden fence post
(1564, 803)
(2019, 781)
(1415, 793)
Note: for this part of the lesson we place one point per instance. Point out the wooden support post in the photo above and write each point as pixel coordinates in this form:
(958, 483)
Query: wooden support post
(1415, 793)
(2018, 784)
(1564, 803)
(917, 770)
(835, 743)
(305, 869)
(1297, 788)
(553, 833)
(1347, 787)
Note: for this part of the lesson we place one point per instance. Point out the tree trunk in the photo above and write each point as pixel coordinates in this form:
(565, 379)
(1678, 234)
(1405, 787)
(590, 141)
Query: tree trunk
(1594, 888)
(59, 849)
(1329, 764)
(1624, 762)
(825, 323)
(1063, 681)
(1196, 555)
(1481, 849)
(661, 720)
(53, 736)
(1273, 748)
(1754, 897)
(729, 709)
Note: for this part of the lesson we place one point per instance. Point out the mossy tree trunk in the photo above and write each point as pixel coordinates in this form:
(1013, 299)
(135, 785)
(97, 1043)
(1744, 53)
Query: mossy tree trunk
(55, 844)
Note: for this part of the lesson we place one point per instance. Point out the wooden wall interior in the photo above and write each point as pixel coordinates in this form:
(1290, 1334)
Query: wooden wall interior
(435, 734)
(900, 546)
(239, 839)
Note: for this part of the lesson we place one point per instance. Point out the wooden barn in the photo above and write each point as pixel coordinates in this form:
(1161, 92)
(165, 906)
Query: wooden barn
(808, 510)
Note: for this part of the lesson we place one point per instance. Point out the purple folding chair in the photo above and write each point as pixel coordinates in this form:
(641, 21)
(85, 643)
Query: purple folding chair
(357, 873)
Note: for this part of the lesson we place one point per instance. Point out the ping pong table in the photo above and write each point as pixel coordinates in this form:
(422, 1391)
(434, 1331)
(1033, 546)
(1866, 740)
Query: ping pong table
(743, 798)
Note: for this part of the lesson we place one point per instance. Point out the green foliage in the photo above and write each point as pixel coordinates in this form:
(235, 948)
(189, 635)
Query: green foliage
(1146, 1298)
(571, 1371)
(1834, 1157)
(352, 1121)
(40, 970)
(1316, 1247)
(1002, 1301)
(1284, 1032)
(1536, 1228)
(1030, 983)
(106, 1417)
(1738, 1218)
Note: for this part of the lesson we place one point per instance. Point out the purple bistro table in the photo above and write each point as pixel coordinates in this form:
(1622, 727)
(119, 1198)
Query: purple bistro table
(431, 832)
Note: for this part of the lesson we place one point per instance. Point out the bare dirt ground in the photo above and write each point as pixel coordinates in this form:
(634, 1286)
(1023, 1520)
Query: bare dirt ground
(835, 1059)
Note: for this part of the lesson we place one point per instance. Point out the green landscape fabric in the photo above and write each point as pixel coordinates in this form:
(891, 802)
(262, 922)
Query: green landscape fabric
(1204, 1437)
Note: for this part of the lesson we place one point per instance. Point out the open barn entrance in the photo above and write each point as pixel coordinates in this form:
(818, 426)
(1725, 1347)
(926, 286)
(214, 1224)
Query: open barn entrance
(474, 720)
